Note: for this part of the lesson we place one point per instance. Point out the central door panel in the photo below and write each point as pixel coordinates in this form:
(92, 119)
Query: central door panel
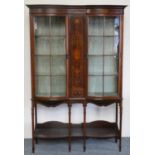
(76, 56)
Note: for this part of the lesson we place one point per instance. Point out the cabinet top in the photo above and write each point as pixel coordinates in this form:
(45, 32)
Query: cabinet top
(82, 9)
(77, 6)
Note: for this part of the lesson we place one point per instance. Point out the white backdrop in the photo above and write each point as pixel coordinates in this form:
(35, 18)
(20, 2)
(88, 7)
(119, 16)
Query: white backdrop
(60, 113)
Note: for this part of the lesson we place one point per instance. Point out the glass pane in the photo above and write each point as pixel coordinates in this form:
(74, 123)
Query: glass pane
(57, 25)
(116, 26)
(111, 45)
(95, 65)
(50, 49)
(42, 25)
(111, 26)
(58, 65)
(103, 43)
(42, 65)
(110, 85)
(95, 85)
(58, 85)
(116, 45)
(58, 46)
(95, 45)
(96, 25)
(110, 65)
(42, 46)
(43, 85)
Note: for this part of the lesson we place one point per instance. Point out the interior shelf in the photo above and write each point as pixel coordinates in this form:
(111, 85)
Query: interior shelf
(53, 55)
(41, 35)
(98, 55)
(50, 75)
(97, 94)
(115, 74)
(103, 35)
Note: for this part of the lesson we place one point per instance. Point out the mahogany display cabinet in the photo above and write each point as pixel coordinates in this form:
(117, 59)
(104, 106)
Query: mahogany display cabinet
(76, 57)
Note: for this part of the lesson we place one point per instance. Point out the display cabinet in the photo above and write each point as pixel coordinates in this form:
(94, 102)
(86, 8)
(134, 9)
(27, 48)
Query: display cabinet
(76, 57)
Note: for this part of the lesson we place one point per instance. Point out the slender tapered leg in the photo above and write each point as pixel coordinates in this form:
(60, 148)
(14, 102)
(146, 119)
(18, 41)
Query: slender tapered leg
(116, 119)
(32, 117)
(36, 139)
(84, 126)
(69, 127)
(120, 133)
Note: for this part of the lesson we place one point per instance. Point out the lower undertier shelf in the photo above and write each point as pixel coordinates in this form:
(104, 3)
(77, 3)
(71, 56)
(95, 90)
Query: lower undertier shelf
(96, 129)
(101, 129)
(51, 130)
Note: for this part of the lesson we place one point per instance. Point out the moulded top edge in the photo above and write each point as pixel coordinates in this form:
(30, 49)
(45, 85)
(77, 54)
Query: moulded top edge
(77, 6)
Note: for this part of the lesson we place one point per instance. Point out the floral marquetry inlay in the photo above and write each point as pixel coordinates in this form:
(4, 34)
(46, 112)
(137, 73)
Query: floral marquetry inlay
(77, 54)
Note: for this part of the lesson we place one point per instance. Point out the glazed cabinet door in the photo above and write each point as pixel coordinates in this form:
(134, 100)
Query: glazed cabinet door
(50, 56)
(103, 55)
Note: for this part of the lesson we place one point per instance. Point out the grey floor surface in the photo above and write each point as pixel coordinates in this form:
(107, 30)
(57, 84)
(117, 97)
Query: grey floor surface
(94, 147)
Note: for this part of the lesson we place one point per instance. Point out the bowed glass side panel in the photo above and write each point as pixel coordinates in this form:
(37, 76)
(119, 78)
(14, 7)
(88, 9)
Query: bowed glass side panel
(50, 56)
(103, 47)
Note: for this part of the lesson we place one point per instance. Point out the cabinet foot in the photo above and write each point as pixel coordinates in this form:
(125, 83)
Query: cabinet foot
(84, 149)
(36, 140)
(33, 145)
(120, 145)
(115, 140)
(69, 148)
(33, 149)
